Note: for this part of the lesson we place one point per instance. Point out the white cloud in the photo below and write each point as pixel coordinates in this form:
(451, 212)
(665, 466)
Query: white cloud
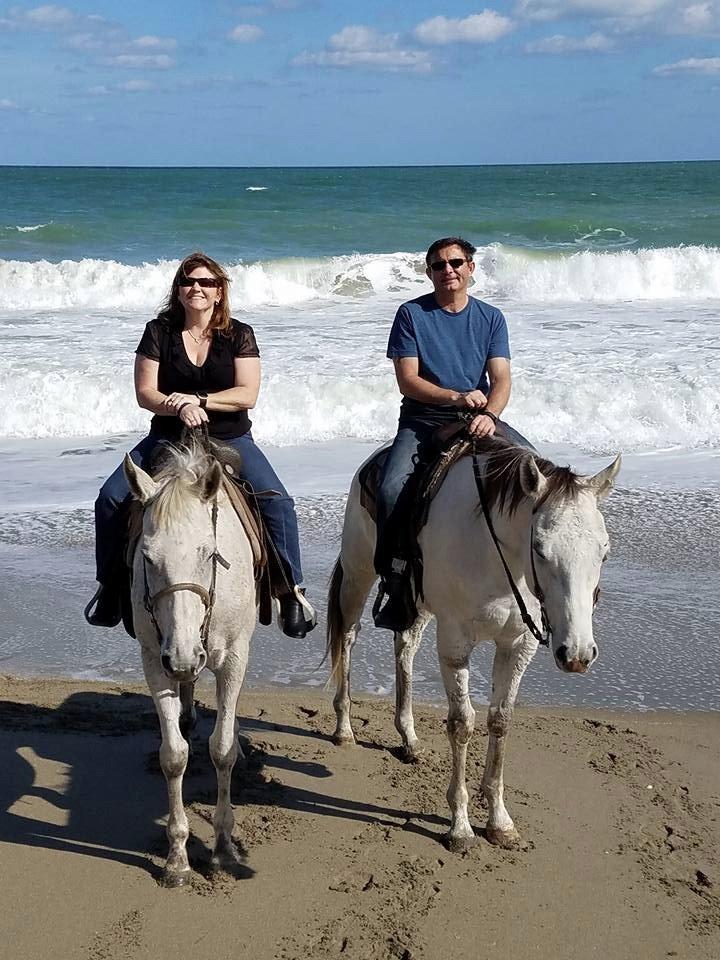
(6, 104)
(559, 44)
(360, 38)
(48, 15)
(135, 86)
(245, 33)
(485, 27)
(137, 61)
(555, 9)
(705, 65)
(153, 43)
(365, 48)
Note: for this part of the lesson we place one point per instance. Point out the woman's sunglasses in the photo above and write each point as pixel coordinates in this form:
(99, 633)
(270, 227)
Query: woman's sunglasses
(201, 281)
(439, 265)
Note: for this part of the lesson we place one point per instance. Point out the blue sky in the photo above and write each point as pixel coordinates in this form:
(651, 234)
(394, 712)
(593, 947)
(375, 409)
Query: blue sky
(312, 82)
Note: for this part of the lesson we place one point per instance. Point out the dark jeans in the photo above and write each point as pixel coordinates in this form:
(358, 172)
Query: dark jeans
(409, 448)
(278, 512)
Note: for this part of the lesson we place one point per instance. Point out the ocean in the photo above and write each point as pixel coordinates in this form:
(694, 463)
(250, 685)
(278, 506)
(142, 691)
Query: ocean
(608, 274)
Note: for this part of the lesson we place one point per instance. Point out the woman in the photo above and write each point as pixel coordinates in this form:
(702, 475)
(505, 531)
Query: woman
(195, 364)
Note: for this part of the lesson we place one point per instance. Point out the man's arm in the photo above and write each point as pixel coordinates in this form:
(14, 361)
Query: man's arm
(413, 386)
(500, 382)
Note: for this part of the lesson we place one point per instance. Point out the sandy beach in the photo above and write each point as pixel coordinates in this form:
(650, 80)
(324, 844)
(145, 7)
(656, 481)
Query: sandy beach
(342, 851)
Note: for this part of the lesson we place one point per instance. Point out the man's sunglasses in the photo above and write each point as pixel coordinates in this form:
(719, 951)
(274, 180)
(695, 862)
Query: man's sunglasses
(440, 265)
(201, 281)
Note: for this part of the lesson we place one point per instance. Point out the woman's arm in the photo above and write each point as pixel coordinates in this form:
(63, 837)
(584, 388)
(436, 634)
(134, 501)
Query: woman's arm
(146, 386)
(243, 396)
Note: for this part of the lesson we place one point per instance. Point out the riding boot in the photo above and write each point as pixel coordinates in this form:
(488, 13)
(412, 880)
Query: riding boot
(399, 612)
(297, 616)
(106, 603)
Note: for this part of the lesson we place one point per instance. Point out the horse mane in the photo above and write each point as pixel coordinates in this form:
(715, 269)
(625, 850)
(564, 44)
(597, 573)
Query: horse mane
(502, 479)
(181, 470)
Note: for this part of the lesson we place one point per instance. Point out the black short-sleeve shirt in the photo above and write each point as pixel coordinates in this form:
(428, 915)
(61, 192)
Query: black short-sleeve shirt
(162, 341)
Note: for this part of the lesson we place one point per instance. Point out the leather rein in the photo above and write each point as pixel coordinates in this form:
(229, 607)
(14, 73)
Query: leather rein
(207, 596)
(542, 636)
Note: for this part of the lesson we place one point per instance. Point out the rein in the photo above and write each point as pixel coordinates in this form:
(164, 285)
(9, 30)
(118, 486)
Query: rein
(207, 596)
(542, 636)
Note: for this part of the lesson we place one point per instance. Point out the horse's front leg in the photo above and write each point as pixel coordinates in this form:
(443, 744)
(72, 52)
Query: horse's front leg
(224, 750)
(454, 649)
(173, 761)
(406, 645)
(509, 666)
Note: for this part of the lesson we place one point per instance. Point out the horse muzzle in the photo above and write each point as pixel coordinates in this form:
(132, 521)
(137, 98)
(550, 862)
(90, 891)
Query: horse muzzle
(575, 664)
(184, 669)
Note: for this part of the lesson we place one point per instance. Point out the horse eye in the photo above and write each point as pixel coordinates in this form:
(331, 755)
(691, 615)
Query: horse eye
(539, 552)
(148, 560)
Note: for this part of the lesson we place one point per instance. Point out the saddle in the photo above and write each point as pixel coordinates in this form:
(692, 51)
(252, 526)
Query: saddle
(448, 444)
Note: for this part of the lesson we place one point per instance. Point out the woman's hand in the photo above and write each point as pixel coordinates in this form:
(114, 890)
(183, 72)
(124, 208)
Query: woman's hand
(192, 415)
(176, 400)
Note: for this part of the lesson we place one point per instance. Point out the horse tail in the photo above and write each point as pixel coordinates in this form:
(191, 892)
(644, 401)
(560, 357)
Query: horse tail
(335, 619)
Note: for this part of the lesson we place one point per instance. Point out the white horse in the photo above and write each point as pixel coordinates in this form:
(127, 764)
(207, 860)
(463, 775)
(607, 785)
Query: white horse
(553, 540)
(193, 596)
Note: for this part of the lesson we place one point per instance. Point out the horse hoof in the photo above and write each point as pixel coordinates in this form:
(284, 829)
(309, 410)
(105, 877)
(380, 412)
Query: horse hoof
(174, 878)
(507, 839)
(459, 844)
(408, 754)
(343, 740)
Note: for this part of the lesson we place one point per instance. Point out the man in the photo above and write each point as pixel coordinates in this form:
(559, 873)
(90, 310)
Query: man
(451, 354)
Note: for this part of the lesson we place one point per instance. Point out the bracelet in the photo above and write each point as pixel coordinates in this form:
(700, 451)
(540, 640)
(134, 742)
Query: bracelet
(492, 416)
(182, 407)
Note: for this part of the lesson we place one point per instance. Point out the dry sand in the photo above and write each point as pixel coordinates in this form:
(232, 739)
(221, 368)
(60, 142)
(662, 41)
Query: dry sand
(342, 847)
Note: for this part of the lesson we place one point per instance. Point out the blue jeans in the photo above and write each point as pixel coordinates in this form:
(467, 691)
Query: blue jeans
(409, 448)
(277, 512)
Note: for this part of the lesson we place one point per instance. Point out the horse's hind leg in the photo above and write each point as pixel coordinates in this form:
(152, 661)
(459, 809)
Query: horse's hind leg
(224, 751)
(508, 668)
(406, 645)
(348, 593)
(454, 649)
(173, 761)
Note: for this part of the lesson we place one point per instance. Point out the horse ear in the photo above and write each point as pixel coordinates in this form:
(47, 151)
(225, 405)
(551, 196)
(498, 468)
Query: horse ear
(602, 483)
(210, 483)
(532, 481)
(142, 485)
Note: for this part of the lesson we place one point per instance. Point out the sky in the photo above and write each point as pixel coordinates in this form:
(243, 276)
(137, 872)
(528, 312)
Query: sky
(315, 82)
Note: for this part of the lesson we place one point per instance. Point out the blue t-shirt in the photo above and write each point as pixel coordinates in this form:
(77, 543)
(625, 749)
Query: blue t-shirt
(452, 348)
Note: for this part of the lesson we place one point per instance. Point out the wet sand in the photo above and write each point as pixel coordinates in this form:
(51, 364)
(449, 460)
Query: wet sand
(342, 848)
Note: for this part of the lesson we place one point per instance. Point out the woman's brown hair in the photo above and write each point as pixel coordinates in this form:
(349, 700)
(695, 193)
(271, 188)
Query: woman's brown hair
(172, 307)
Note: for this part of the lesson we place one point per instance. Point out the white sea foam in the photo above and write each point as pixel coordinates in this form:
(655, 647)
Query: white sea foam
(255, 189)
(514, 274)
(32, 229)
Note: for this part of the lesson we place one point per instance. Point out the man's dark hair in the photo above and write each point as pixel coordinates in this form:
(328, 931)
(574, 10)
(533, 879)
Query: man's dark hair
(467, 248)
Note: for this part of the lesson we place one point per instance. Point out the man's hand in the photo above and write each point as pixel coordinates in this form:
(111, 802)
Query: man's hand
(472, 400)
(192, 415)
(482, 426)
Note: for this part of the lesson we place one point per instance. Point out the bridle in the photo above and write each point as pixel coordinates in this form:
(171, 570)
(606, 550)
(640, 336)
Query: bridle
(207, 596)
(542, 636)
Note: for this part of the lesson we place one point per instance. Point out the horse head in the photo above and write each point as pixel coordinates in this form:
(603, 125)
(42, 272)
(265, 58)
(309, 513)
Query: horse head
(176, 555)
(569, 544)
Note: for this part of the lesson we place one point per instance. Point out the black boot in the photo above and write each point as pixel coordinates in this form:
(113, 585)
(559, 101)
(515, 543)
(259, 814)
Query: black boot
(399, 611)
(295, 618)
(106, 602)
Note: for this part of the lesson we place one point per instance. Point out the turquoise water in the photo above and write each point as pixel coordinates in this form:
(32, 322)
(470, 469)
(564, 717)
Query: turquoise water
(135, 215)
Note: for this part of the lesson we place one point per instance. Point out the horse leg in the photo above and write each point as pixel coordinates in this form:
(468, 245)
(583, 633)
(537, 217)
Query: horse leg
(349, 590)
(406, 645)
(509, 666)
(454, 652)
(188, 714)
(224, 750)
(173, 761)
